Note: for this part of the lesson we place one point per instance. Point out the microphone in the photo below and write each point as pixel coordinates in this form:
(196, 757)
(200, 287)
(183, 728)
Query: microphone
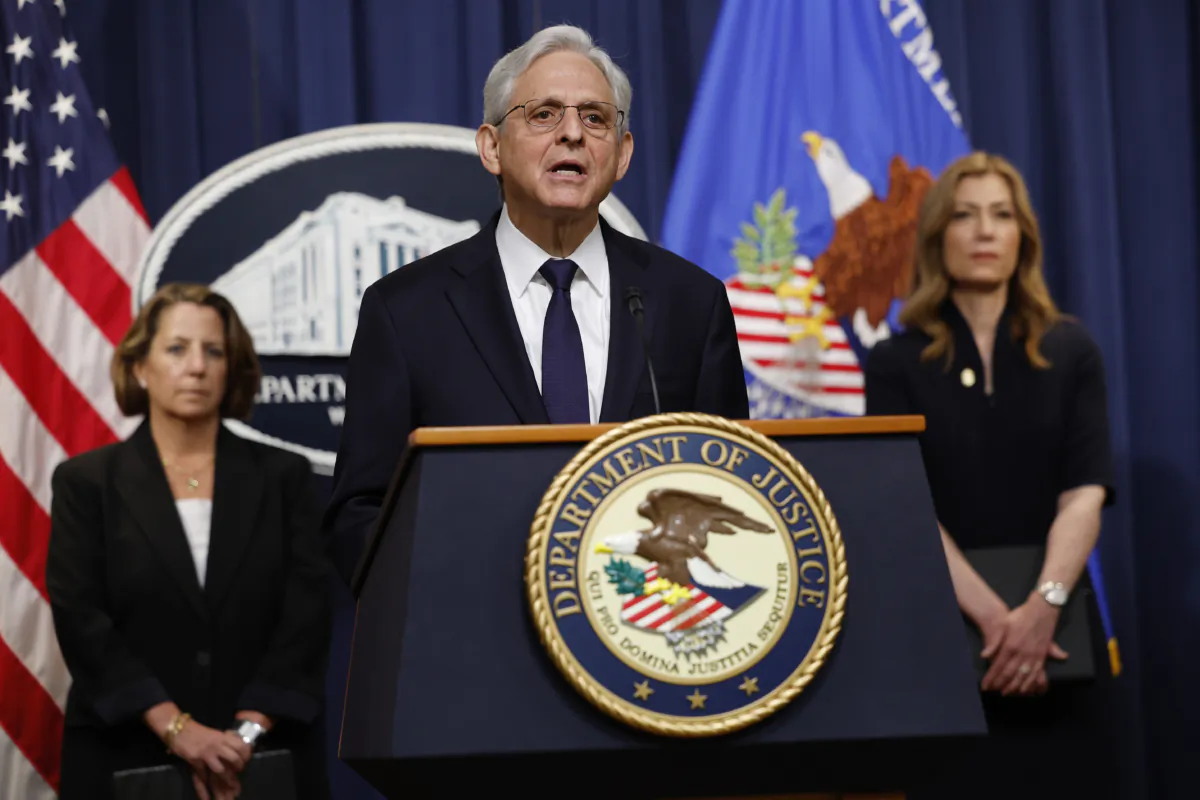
(633, 296)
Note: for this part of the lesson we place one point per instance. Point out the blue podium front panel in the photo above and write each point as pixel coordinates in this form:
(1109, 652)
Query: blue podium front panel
(447, 664)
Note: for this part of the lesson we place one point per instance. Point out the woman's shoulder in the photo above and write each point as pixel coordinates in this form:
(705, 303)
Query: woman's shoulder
(1068, 342)
(899, 351)
(275, 460)
(88, 467)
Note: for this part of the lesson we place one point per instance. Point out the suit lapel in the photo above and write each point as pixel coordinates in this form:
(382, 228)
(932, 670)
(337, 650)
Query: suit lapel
(142, 485)
(626, 356)
(480, 298)
(237, 496)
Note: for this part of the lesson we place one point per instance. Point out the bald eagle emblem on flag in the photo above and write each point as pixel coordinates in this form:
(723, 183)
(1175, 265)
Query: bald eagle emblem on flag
(869, 262)
(799, 184)
(685, 572)
(802, 322)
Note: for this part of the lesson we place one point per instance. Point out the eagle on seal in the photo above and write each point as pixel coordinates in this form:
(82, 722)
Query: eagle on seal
(682, 521)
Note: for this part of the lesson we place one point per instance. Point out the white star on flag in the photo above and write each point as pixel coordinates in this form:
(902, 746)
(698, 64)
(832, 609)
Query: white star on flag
(11, 205)
(64, 107)
(61, 160)
(20, 48)
(19, 100)
(103, 116)
(72, 250)
(15, 153)
(65, 52)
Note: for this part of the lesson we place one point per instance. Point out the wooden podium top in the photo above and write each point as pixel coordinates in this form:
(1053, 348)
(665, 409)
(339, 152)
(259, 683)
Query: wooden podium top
(534, 434)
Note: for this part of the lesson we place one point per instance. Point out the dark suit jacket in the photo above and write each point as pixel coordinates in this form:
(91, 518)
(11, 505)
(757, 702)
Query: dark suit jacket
(137, 629)
(437, 344)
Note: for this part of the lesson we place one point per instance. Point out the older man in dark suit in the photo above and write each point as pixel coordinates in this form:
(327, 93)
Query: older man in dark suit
(528, 321)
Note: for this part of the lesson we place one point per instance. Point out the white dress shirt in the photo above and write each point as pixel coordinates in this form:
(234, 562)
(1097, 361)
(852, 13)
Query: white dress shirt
(196, 516)
(530, 294)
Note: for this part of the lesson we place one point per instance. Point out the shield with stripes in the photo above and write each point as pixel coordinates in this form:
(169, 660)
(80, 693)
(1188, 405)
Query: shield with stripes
(692, 617)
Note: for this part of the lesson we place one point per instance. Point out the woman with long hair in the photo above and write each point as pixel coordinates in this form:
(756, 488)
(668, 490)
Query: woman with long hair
(1016, 449)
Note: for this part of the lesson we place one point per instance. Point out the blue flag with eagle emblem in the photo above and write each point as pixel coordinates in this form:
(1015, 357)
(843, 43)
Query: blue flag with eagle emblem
(816, 130)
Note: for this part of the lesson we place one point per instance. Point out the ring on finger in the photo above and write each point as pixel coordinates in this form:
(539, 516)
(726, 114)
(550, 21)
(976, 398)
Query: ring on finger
(1024, 669)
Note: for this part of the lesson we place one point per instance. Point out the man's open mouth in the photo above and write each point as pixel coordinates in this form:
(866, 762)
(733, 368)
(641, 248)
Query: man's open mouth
(568, 168)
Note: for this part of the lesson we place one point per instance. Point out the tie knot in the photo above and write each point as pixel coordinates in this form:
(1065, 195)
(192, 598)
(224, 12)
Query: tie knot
(559, 272)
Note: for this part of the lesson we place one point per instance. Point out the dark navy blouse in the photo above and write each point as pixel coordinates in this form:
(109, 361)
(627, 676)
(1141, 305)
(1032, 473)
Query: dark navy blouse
(997, 464)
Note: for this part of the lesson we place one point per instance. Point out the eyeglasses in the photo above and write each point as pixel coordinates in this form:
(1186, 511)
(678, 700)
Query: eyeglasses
(546, 114)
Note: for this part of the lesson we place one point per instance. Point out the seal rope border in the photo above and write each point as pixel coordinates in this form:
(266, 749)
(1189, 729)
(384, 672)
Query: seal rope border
(566, 662)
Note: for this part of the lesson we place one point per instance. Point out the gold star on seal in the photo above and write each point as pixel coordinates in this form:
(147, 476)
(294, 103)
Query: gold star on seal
(697, 699)
(749, 686)
(642, 691)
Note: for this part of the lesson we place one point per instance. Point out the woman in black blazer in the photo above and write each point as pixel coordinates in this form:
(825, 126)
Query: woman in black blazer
(1016, 450)
(185, 571)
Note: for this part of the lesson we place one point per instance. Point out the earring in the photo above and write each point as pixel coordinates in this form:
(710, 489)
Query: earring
(141, 383)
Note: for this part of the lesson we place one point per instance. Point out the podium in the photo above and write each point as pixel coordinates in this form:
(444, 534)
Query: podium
(451, 693)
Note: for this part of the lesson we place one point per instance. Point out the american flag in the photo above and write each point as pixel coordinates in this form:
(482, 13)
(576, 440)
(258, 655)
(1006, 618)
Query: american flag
(72, 228)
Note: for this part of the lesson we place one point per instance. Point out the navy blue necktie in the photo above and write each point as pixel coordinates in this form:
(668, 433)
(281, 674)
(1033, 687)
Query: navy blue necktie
(564, 376)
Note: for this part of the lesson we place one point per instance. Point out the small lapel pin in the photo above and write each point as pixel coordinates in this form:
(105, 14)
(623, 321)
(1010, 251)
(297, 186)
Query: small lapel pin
(968, 377)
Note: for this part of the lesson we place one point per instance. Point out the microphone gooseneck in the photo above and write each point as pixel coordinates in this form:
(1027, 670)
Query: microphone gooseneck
(633, 296)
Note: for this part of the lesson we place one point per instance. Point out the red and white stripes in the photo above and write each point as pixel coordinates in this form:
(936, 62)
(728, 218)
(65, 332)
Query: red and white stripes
(63, 309)
(653, 612)
(826, 373)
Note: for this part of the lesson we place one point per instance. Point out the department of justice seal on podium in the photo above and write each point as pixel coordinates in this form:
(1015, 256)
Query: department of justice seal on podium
(686, 574)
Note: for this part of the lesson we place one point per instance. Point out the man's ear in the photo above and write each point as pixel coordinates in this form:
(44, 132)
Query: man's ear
(624, 155)
(487, 142)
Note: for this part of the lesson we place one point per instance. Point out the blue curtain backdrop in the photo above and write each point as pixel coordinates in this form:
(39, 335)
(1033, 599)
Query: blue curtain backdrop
(1095, 101)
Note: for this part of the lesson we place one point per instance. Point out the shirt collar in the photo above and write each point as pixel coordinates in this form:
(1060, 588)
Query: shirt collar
(521, 258)
(1004, 342)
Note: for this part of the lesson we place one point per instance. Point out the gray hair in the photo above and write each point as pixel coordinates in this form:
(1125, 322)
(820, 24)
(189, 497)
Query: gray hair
(497, 92)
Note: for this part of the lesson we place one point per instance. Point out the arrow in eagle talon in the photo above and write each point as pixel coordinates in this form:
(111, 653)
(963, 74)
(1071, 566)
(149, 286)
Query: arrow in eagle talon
(676, 594)
(656, 585)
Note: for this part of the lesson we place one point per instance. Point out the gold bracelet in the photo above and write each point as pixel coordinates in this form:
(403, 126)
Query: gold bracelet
(175, 727)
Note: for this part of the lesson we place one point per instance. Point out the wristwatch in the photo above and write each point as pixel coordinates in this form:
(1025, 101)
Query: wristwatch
(1054, 593)
(249, 731)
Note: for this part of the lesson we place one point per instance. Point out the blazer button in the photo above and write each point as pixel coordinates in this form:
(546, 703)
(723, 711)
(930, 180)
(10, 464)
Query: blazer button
(203, 658)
